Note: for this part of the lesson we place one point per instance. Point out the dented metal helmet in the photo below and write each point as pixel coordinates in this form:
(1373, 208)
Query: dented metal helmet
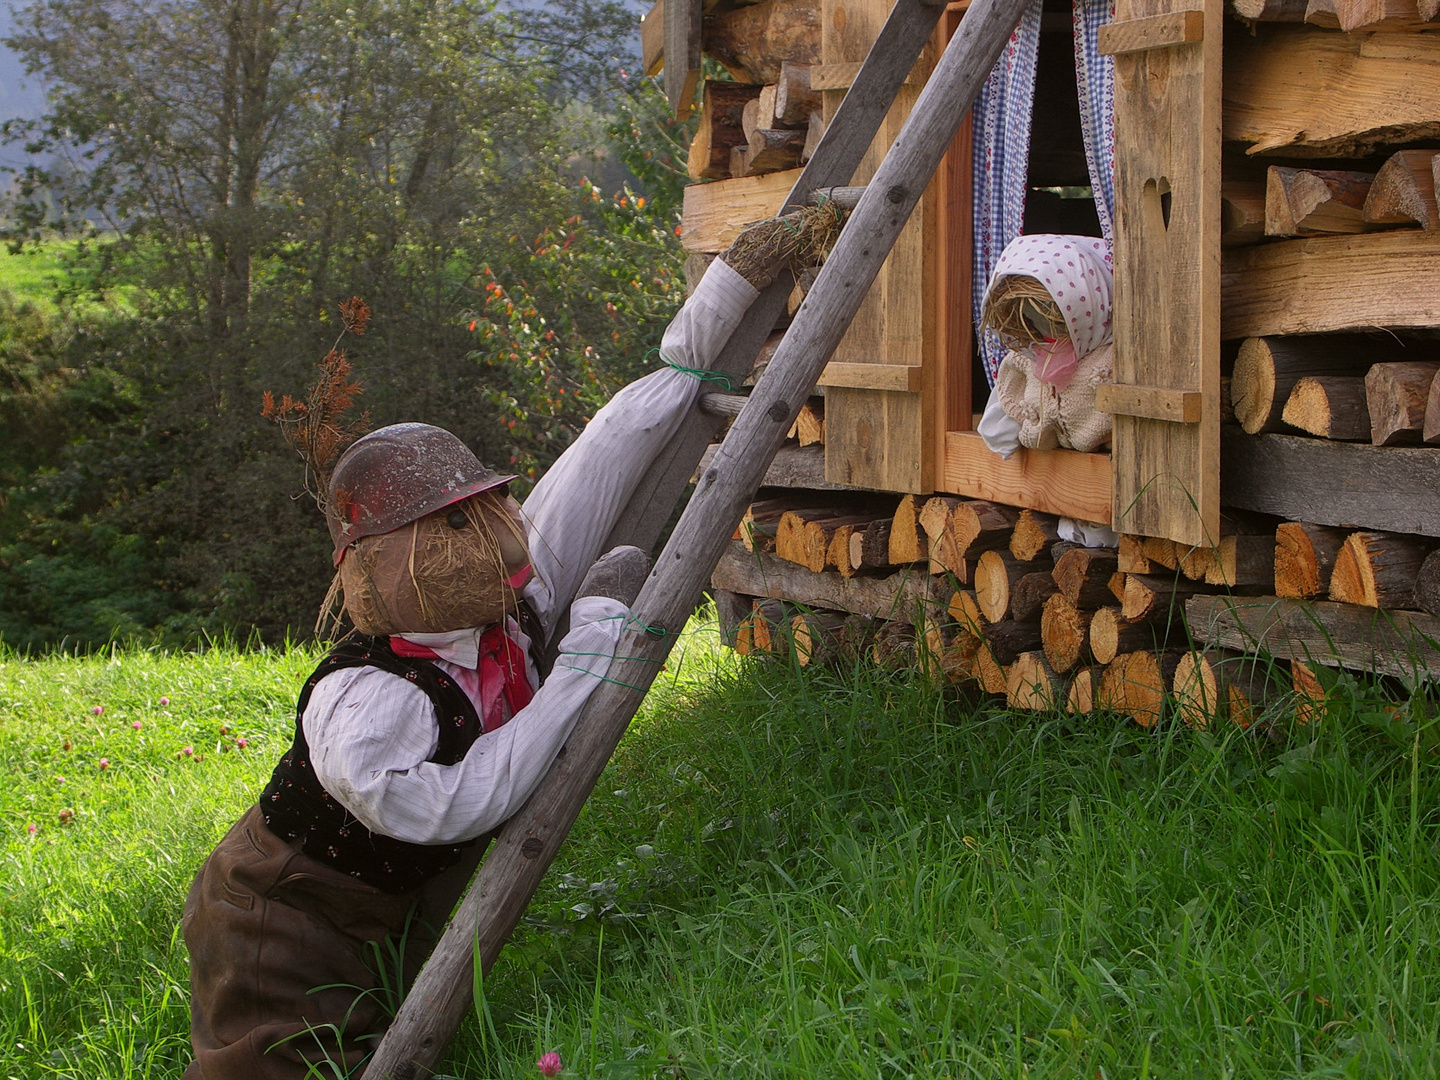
(397, 474)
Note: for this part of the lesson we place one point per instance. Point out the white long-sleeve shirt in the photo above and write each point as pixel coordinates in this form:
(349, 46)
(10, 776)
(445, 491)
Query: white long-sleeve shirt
(370, 733)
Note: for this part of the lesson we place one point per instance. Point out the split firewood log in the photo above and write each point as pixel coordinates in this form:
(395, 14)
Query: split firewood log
(1379, 569)
(721, 128)
(1330, 406)
(1034, 533)
(1130, 556)
(1080, 697)
(772, 149)
(1112, 634)
(981, 526)
(1064, 633)
(1242, 213)
(761, 522)
(809, 426)
(1322, 13)
(804, 537)
(1162, 552)
(1083, 576)
(936, 520)
(1240, 559)
(1028, 596)
(965, 612)
(759, 631)
(1314, 202)
(1309, 692)
(1008, 639)
(794, 100)
(1216, 684)
(870, 547)
(996, 574)
(907, 539)
(814, 132)
(730, 611)
(988, 671)
(1305, 557)
(1146, 594)
(1396, 395)
(1267, 369)
(893, 644)
(1430, 431)
(1032, 685)
(816, 636)
(838, 554)
(1427, 584)
(1404, 191)
(1134, 685)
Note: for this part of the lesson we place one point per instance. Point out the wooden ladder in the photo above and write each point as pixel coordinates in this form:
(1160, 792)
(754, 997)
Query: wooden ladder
(527, 843)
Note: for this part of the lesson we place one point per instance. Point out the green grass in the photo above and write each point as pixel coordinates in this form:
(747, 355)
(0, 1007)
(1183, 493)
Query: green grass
(38, 272)
(790, 874)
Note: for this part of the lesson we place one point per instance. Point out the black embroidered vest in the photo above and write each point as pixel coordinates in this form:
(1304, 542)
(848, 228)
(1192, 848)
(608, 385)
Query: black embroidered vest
(297, 807)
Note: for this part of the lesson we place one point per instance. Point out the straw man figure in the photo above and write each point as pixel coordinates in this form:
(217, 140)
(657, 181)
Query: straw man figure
(424, 730)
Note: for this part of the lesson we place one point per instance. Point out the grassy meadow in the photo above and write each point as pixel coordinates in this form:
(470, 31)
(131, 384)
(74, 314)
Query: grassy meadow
(788, 874)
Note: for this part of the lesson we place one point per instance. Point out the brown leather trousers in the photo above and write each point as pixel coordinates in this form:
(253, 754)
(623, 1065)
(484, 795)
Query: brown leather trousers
(284, 955)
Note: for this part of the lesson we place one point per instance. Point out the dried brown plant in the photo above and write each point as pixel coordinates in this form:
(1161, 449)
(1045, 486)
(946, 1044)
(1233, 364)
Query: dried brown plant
(319, 427)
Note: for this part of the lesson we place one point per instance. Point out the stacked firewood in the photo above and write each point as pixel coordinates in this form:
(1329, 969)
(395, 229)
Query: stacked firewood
(748, 130)
(976, 592)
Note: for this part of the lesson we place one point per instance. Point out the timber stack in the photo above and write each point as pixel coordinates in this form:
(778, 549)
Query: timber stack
(1325, 553)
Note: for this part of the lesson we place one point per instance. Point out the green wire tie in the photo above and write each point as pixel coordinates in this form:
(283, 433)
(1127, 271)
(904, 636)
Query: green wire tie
(702, 374)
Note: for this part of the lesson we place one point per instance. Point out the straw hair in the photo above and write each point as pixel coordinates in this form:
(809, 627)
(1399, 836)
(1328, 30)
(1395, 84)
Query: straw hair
(1004, 311)
(802, 237)
(430, 577)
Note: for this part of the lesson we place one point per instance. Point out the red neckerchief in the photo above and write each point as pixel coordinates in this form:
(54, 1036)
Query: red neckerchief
(500, 670)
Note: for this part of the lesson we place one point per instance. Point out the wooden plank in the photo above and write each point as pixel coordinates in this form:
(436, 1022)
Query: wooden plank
(1354, 485)
(1152, 32)
(714, 213)
(1400, 643)
(841, 76)
(1316, 94)
(1167, 276)
(1322, 284)
(909, 595)
(882, 438)
(680, 25)
(1152, 402)
(652, 39)
(901, 377)
(529, 841)
(840, 149)
(1061, 482)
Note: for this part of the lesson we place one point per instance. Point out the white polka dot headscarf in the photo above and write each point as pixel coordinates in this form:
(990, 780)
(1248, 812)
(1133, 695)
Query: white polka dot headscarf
(1076, 271)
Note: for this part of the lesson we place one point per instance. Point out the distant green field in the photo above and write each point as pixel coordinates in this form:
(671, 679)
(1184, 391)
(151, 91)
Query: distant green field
(789, 874)
(37, 272)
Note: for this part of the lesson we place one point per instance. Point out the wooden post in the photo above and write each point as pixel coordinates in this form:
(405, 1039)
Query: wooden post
(528, 842)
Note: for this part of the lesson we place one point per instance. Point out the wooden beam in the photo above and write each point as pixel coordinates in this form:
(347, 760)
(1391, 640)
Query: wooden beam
(681, 27)
(909, 595)
(842, 76)
(1330, 95)
(1355, 485)
(1061, 482)
(714, 214)
(902, 377)
(1327, 283)
(1152, 402)
(652, 39)
(1152, 32)
(1400, 643)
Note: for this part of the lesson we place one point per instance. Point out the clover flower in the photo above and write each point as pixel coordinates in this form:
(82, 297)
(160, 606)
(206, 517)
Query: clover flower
(549, 1064)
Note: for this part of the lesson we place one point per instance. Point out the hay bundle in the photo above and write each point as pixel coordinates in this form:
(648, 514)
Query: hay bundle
(448, 570)
(1023, 313)
(802, 238)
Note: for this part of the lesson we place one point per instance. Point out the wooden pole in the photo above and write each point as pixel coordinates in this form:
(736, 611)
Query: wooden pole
(528, 842)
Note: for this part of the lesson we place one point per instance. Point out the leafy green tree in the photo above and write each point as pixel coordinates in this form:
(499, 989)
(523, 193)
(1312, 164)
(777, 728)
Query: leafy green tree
(255, 162)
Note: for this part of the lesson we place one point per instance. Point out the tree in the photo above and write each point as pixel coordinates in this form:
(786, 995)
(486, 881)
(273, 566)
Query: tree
(259, 160)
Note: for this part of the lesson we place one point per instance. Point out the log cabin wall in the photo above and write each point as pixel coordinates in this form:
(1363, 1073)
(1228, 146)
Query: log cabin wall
(1293, 239)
